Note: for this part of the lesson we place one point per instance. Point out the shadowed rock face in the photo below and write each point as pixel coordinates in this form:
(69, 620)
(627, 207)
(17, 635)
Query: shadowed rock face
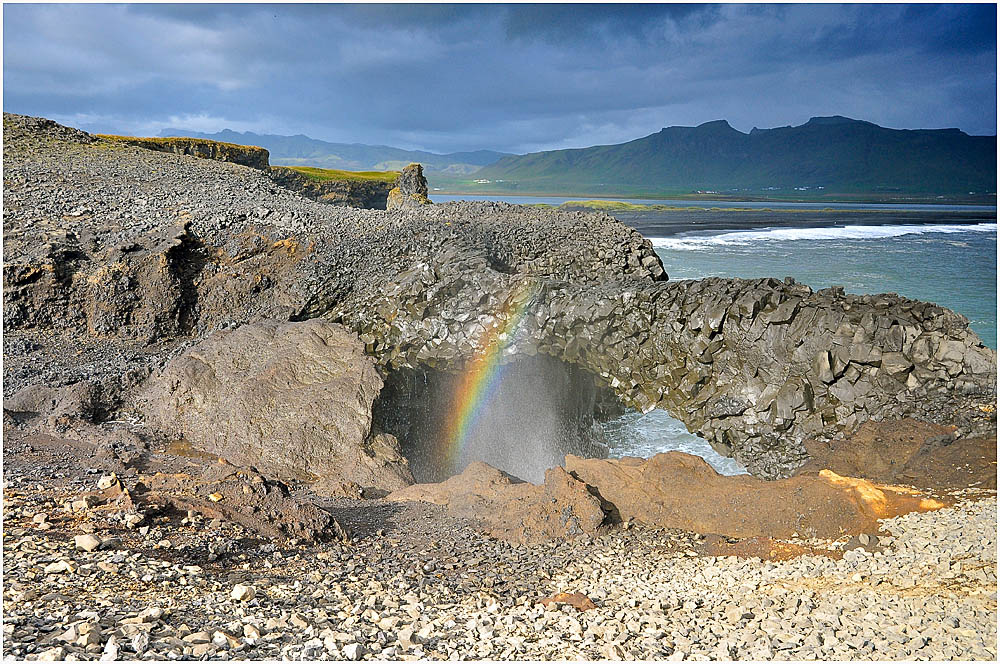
(753, 366)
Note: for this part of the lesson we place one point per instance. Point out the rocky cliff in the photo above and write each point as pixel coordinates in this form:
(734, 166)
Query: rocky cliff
(371, 194)
(245, 155)
(108, 272)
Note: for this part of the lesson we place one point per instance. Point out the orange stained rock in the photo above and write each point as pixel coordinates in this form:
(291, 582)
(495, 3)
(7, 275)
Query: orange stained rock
(898, 500)
(577, 600)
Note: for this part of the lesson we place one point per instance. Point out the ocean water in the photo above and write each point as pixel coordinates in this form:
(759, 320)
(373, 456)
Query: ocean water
(635, 434)
(688, 203)
(954, 265)
(951, 264)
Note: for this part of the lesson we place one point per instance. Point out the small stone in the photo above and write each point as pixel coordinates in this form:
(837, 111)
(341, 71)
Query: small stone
(86, 542)
(223, 640)
(59, 567)
(140, 642)
(40, 517)
(198, 637)
(150, 615)
(110, 653)
(406, 638)
(298, 621)
(133, 520)
(251, 632)
(107, 481)
(53, 655)
(202, 649)
(242, 593)
(90, 634)
(354, 651)
(70, 635)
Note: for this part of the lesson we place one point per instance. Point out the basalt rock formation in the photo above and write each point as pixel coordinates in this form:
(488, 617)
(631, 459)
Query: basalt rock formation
(109, 270)
(371, 194)
(410, 189)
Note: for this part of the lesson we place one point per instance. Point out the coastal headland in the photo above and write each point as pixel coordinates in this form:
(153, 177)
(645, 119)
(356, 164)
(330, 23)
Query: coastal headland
(234, 416)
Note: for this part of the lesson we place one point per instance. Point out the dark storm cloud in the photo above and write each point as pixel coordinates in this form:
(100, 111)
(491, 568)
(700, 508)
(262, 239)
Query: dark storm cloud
(507, 77)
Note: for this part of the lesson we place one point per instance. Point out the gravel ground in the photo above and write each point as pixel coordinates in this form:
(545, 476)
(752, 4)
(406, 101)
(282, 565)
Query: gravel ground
(414, 583)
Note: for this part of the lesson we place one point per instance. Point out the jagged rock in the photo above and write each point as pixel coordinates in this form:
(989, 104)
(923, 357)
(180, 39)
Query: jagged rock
(677, 490)
(513, 510)
(410, 189)
(291, 399)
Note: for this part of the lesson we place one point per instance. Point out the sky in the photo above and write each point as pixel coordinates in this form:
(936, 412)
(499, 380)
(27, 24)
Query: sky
(514, 78)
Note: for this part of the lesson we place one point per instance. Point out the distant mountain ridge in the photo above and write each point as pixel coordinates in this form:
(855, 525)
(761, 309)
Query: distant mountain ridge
(301, 150)
(829, 154)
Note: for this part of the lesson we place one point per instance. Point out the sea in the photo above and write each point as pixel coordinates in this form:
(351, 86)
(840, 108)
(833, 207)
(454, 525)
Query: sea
(944, 254)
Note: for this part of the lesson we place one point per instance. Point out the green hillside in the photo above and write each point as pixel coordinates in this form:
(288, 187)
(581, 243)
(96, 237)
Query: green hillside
(825, 156)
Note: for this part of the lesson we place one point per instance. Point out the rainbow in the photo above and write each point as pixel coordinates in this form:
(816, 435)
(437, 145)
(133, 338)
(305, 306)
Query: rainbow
(485, 372)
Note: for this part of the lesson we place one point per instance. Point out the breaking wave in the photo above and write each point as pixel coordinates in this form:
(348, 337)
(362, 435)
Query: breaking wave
(739, 238)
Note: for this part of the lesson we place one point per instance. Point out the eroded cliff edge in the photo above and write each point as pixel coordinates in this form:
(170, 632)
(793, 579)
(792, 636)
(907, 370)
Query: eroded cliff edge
(115, 258)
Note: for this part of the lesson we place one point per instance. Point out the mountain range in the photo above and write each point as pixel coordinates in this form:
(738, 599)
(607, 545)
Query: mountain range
(826, 154)
(825, 157)
(301, 150)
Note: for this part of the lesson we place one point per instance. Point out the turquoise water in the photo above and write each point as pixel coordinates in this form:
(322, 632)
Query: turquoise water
(949, 264)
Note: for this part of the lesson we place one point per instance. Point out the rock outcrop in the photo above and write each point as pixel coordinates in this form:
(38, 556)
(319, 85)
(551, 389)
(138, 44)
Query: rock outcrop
(677, 490)
(920, 454)
(245, 155)
(100, 257)
(357, 193)
(410, 190)
(290, 399)
(513, 510)
(753, 366)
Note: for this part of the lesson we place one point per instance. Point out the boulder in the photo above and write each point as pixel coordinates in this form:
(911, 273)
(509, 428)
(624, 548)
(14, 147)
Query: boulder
(410, 189)
(293, 400)
(677, 490)
(513, 510)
